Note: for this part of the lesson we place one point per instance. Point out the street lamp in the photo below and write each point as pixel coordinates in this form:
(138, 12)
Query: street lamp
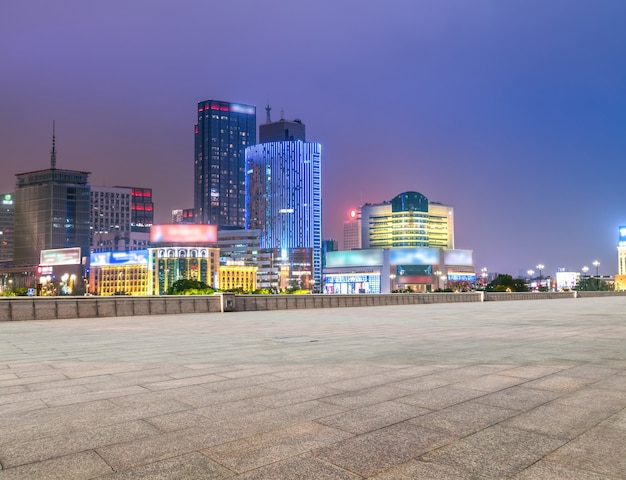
(530, 277)
(438, 275)
(483, 273)
(540, 267)
(585, 269)
(597, 264)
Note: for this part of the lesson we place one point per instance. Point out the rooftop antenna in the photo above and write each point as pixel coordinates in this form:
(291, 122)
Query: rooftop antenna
(53, 153)
(268, 109)
(282, 114)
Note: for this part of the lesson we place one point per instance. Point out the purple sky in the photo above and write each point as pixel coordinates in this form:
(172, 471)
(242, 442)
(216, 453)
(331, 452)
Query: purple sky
(513, 112)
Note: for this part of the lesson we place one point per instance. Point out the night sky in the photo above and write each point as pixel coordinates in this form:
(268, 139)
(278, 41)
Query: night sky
(513, 112)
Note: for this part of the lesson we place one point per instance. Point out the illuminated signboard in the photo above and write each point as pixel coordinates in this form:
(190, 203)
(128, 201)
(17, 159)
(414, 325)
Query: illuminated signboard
(7, 199)
(414, 256)
(354, 258)
(461, 277)
(622, 236)
(135, 257)
(60, 256)
(458, 257)
(236, 108)
(180, 233)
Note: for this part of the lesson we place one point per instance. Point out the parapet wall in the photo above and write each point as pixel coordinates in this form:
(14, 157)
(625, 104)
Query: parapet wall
(48, 308)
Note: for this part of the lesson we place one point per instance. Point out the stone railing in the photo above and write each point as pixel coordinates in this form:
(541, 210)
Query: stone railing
(46, 308)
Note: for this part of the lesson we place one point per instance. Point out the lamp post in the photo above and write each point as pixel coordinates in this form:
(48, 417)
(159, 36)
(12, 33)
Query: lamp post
(392, 277)
(438, 275)
(530, 277)
(597, 264)
(483, 273)
(540, 267)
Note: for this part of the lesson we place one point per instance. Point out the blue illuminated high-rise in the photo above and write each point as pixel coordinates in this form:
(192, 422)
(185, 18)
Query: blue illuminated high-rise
(284, 201)
(222, 133)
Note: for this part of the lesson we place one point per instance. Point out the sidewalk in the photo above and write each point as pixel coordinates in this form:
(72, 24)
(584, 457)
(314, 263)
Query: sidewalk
(494, 390)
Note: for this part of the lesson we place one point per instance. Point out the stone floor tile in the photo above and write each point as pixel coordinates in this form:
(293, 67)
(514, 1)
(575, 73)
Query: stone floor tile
(546, 470)
(420, 470)
(83, 465)
(489, 383)
(532, 372)
(518, 398)
(299, 468)
(366, 396)
(143, 451)
(496, 452)
(558, 420)
(372, 417)
(299, 395)
(560, 383)
(36, 450)
(267, 448)
(600, 450)
(616, 382)
(464, 418)
(616, 421)
(184, 467)
(382, 449)
(442, 397)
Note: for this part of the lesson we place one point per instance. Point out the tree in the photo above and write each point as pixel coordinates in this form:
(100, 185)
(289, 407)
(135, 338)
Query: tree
(593, 284)
(506, 283)
(189, 287)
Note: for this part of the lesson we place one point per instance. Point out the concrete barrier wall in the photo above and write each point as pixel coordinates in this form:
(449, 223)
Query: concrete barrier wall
(504, 296)
(47, 308)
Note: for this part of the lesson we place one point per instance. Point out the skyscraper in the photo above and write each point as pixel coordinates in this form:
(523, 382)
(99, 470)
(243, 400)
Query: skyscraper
(51, 211)
(283, 200)
(223, 132)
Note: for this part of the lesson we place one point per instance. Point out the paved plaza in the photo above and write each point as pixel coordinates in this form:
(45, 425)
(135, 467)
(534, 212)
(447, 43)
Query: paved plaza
(521, 389)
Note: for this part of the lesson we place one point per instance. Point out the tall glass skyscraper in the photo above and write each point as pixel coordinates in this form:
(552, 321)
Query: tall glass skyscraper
(284, 201)
(222, 133)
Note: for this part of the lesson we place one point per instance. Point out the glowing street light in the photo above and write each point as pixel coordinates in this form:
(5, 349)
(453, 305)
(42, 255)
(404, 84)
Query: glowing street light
(540, 267)
(597, 264)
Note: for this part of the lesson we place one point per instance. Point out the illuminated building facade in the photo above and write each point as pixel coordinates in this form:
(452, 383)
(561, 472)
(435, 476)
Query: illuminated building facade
(283, 201)
(620, 278)
(119, 273)
(223, 132)
(169, 264)
(418, 269)
(237, 277)
(6, 227)
(408, 220)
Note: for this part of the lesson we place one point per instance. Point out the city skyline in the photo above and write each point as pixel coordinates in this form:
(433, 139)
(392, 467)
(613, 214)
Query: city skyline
(511, 113)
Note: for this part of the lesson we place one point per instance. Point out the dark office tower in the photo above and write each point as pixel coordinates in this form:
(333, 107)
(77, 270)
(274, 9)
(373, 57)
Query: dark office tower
(141, 210)
(223, 132)
(52, 209)
(281, 131)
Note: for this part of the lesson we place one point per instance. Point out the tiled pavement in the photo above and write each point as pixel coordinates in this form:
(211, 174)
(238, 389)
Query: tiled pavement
(523, 390)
